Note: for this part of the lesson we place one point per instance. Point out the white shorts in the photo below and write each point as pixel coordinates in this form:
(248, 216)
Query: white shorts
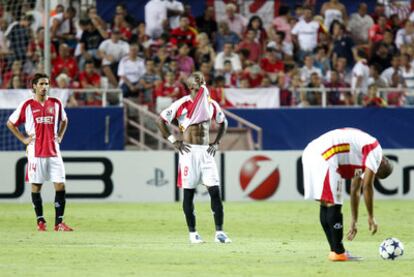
(40, 170)
(321, 180)
(197, 167)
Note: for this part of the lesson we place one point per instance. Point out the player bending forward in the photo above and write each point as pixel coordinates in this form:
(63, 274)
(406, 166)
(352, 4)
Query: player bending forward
(196, 155)
(336, 155)
(45, 124)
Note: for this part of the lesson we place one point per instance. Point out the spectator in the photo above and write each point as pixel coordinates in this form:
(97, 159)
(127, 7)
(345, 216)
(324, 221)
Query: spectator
(167, 91)
(256, 24)
(284, 93)
(90, 40)
(381, 57)
(399, 8)
(122, 25)
(16, 69)
(250, 43)
(405, 35)
(335, 93)
(321, 60)
(227, 55)
(97, 21)
(207, 69)
(359, 24)
(266, 82)
(230, 76)
(397, 97)
(139, 36)
(36, 46)
(218, 93)
(224, 36)
(340, 66)
(64, 63)
(185, 62)
(407, 71)
(149, 81)
(244, 83)
(360, 76)
(284, 49)
(314, 97)
(270, 65)
(121, 9)
(130, 70)
(254, 75)
(63, 27)
(191, 18)
(63, 82)
(375, 76)
(16, 82)
(342, 44)
(379, 10)
(175, 9)
(237, 22)
(376, 32)
(111, 52)
(388, 41)
(89, 78)
(372, 99)
(308, 69)
(184, 33)
(207, 23)
(393, 69)
(204, 51)
(333, 10)
(155, 18)
(19, 37)
(281, 24)
(305, 35)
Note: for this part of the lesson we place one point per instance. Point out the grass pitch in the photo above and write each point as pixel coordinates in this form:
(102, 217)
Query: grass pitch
(269, 239)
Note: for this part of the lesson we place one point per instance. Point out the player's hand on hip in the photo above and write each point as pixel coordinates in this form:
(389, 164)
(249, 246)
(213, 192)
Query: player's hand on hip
(212, 148)
(182, 147)
(372, 224)
(28, 140)
(352, 231)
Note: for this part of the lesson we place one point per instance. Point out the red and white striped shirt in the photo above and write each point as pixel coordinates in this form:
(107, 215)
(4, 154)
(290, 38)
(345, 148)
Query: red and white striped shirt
(42, 121)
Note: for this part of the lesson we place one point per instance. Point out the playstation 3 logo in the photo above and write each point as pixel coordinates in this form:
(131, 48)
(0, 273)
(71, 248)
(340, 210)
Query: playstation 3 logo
(158, 179)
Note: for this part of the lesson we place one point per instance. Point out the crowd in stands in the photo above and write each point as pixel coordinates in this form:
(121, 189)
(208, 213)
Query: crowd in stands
(302, 52)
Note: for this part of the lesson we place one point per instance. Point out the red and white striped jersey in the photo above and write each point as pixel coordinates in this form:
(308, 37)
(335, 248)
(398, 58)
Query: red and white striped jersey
(42, 121)
(182, 108)
(349, 150)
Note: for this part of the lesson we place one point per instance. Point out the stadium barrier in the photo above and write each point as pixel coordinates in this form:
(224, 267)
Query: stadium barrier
(131, 176)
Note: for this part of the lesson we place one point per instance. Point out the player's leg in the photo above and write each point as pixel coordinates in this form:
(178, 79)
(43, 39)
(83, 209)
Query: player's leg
(210, 178)
(187, 176)
(57, 176)
(38, 206)
(323, 219)
(335, 221)
(36, 175)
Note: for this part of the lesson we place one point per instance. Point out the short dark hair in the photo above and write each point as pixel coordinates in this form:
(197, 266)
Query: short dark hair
(39, 76)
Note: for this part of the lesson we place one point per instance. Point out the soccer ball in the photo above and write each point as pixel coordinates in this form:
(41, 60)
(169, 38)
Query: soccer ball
(391, 248)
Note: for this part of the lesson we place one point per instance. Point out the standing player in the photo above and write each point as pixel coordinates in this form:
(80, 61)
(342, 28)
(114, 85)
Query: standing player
(45, 124)
(336, 155)
(196, 154)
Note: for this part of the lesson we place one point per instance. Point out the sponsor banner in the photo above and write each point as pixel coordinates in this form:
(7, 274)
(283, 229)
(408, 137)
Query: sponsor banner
(11, 98)
(277, 175)
(106, 176)
(261, 98)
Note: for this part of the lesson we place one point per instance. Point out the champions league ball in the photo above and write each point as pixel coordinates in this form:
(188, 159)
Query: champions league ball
(391, 248)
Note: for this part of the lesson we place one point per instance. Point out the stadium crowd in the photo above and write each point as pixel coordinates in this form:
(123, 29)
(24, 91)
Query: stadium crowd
(150, 60)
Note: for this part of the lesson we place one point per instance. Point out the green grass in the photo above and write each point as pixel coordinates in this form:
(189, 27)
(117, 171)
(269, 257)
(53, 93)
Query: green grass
(269, 239)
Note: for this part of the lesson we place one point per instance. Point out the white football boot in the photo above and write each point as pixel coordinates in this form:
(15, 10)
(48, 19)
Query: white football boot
(222, 237)
(195, 238)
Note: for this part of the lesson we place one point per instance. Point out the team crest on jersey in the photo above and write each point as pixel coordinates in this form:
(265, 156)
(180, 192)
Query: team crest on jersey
(51, 110)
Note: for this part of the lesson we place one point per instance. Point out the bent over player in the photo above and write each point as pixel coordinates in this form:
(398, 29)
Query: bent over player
(45, 124)
(196, 154)
(336, 155)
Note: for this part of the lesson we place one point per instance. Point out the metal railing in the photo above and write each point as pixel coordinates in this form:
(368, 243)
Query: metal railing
(243, 123)
(325, 91)
(103, 92)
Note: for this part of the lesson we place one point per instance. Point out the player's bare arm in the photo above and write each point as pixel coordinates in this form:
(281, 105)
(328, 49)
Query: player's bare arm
(222, 128)
(356, 183)
(15, 131)
(62, 130)
(368, 184)
(166, 133)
